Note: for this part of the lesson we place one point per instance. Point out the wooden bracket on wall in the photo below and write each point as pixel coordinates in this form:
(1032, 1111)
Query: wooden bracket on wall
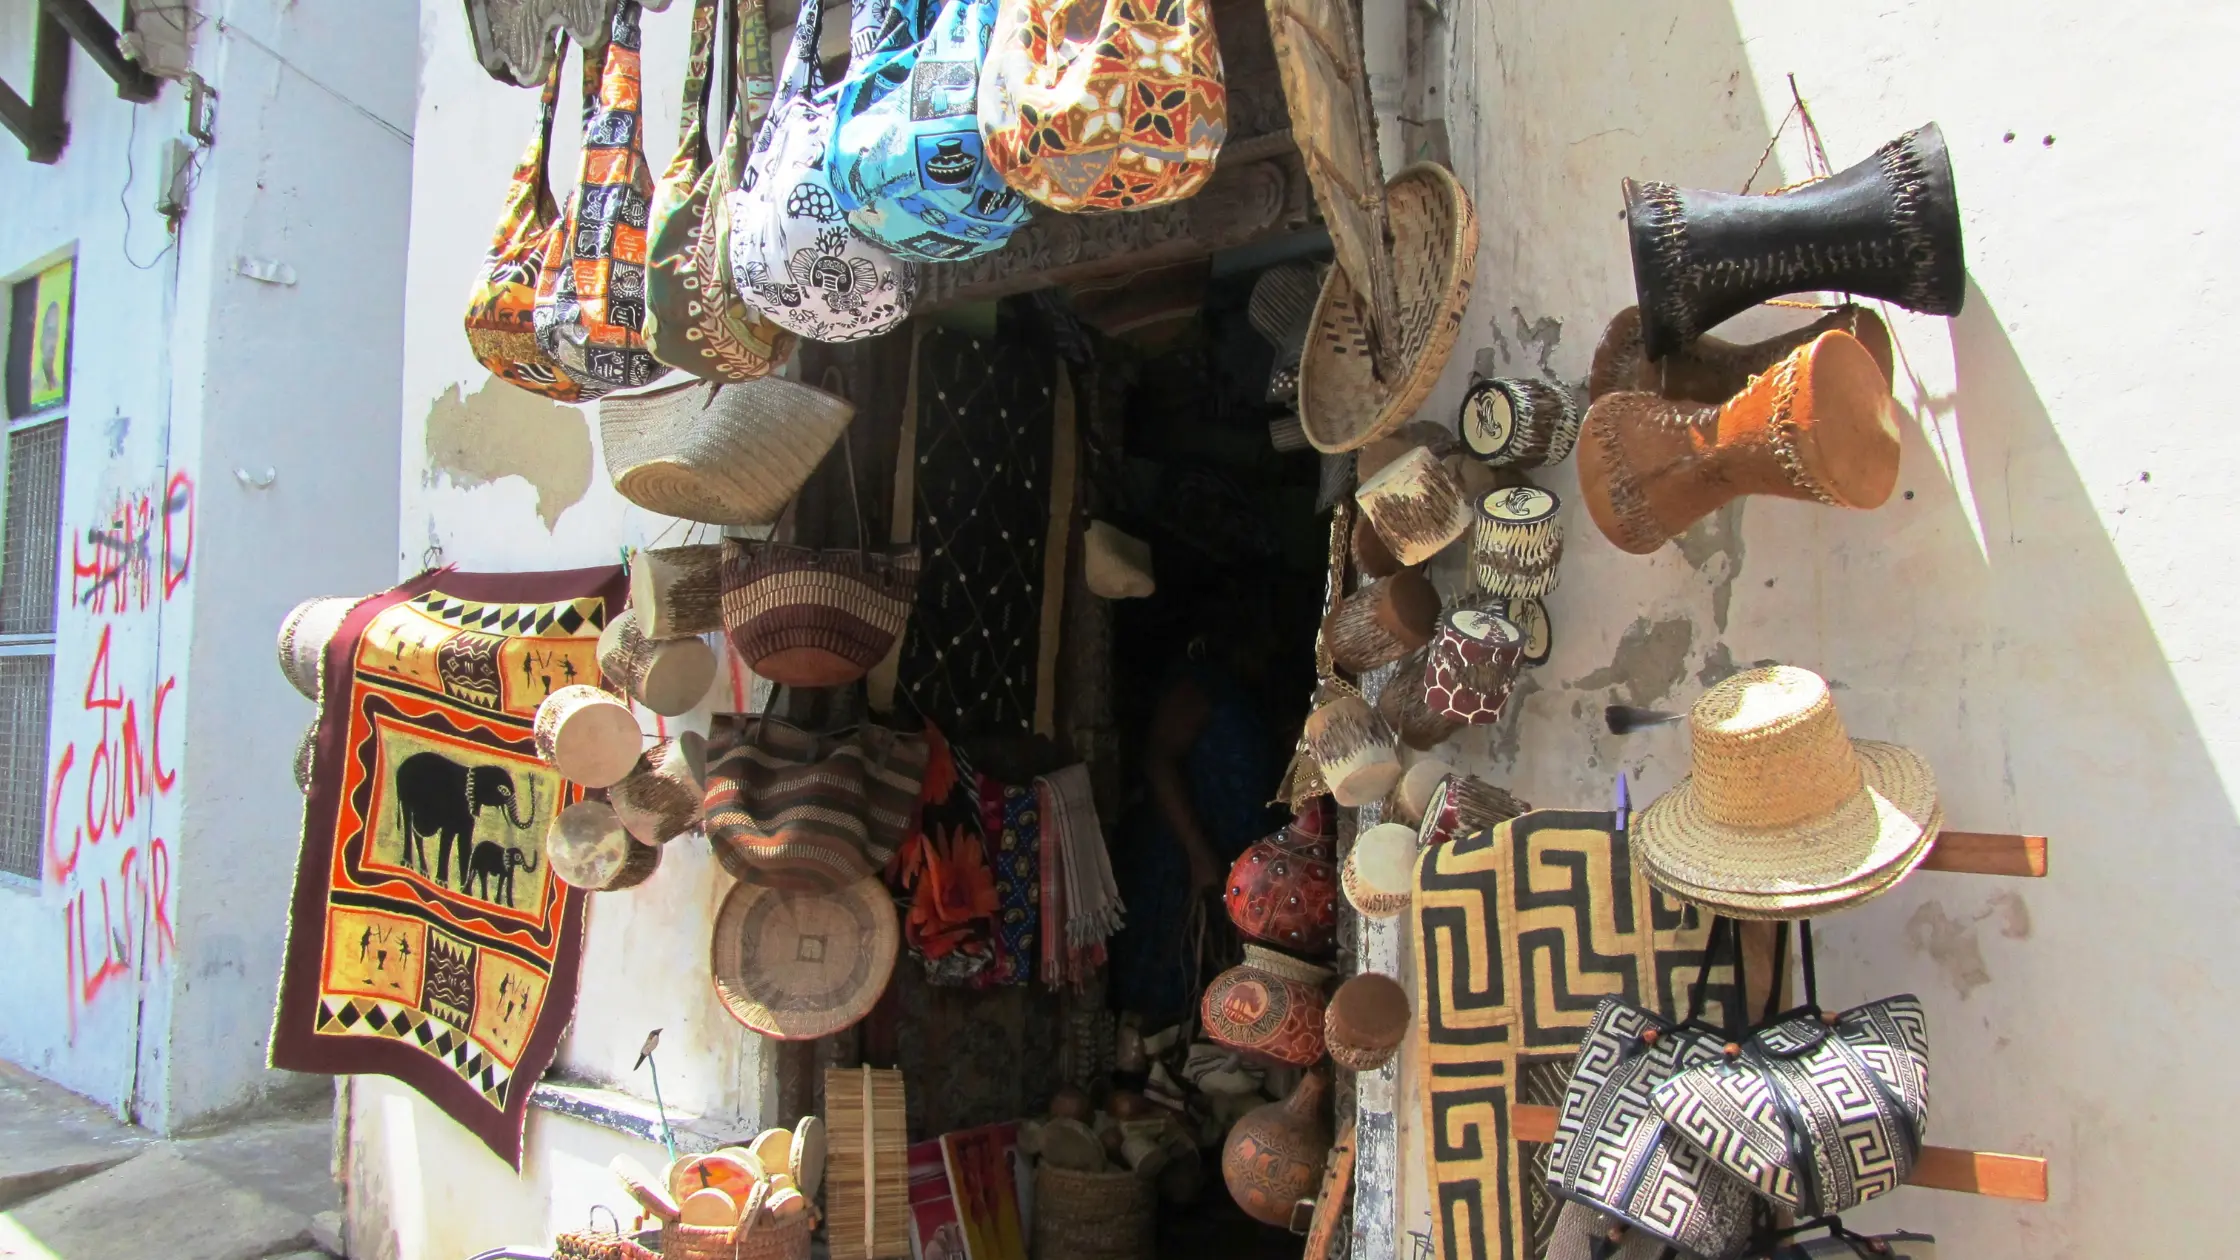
(1987, 853)
(100, 40)
(1939, 1168)
(38, 124)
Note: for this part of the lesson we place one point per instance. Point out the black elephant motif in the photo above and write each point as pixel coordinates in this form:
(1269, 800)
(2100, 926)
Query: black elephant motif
(496, 861)
(439, 797)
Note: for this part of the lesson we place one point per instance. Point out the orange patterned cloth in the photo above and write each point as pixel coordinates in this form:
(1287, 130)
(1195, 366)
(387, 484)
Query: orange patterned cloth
(427, 939)
(499, 310)
(1103, 104)
(590, 315)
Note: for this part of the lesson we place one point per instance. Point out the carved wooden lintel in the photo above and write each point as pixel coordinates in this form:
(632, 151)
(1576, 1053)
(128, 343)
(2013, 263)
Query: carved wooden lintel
(1245, 201)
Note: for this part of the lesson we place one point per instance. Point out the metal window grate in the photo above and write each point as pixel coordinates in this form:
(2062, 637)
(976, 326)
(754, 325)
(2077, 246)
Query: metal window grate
(26, 692)
(34, 530)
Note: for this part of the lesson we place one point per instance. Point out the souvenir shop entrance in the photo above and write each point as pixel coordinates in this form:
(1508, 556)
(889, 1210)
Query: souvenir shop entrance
(1120, 650)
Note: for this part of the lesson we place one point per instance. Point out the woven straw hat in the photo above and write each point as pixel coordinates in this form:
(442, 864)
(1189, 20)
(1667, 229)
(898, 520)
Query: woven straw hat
(724, 454)
(1784, 814)
(797, 966)
(1342, 403)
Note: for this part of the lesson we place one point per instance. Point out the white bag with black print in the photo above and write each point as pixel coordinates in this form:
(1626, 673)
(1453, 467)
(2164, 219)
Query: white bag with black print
(793, 256)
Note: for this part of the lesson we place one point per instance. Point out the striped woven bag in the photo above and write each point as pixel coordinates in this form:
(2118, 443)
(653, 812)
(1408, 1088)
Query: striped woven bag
(802, 812)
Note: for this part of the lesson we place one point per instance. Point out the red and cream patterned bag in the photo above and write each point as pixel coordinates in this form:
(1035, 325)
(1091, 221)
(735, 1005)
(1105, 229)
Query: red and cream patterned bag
(1103, 104)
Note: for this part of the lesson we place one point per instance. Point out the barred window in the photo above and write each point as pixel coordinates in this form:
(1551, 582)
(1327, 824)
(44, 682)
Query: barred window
(31, 516)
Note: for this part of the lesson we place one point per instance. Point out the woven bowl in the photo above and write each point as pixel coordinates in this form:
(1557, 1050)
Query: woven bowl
(1342, 403)
(727, 455)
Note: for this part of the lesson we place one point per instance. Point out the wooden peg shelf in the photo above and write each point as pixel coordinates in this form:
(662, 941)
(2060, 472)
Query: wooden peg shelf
(1939, 1168)
(1987, 853)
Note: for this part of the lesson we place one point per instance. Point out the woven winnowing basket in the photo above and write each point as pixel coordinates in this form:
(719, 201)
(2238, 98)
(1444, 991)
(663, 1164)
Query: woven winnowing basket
(727, 455)
(1342, 403)
(867, 1165)
(1092, 1216)
(806, 617)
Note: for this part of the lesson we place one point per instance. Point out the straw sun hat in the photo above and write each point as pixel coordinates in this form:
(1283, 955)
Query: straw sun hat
(1784, 814)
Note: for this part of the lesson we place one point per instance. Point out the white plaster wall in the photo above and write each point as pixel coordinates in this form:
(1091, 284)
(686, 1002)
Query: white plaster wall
(312, 171)
(185, 371)
(2041, 610)
(419, 1185)
(71, 1004)
(498, 480)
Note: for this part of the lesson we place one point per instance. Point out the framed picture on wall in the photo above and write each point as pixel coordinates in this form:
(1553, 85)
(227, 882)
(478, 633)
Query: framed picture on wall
(39, 340)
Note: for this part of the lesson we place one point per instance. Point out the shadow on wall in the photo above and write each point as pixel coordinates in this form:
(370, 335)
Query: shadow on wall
(1988, 620)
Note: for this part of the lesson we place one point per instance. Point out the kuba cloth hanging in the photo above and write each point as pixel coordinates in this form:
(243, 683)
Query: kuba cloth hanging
(1519, 930)
(427, 940)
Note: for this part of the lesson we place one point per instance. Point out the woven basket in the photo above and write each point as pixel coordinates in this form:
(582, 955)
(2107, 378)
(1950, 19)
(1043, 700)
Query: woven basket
(727, 455)
(1093, 1216)
(806, 617)
(771, 1240)
(1342, 402)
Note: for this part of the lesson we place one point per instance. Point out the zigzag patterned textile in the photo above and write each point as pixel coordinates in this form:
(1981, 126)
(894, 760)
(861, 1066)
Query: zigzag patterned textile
(1520, 932)
(456, 976)
(1860, 1090)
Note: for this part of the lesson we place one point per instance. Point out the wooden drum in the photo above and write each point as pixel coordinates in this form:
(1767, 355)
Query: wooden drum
(1519, 539)
(668, 676)
(1382, 622)
(1417, 505)
(1474, 662)
(590, 737)
(589, 849)
(1354, 748)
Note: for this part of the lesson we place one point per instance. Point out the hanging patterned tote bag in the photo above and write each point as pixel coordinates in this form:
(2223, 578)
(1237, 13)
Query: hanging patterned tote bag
(907, 165)
(693, 322)
(1818, 1110)
(500, 327)
(591, 300)
(1613, 1152)
(788, 808)
(1103, 104)
(793, 256)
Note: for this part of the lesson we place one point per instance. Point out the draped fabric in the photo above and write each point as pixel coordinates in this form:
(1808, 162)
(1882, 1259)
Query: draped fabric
(426, 939)
(1520, 932)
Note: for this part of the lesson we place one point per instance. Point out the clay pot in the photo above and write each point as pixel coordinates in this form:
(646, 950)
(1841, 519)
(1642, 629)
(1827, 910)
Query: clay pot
(1274, 1156)
(1070, 1103)
(1284, 892)
(1367, 1019)
(1268, 1009)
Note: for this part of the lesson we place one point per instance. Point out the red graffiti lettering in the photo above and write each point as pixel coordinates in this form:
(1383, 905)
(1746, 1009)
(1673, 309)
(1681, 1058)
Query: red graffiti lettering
(164, 781)
(158, 901)
(136, 555)
(60, 866)
(145, 541)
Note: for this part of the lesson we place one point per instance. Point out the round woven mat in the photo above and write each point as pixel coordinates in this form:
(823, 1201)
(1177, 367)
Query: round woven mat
(796, 966)
(1342, 403)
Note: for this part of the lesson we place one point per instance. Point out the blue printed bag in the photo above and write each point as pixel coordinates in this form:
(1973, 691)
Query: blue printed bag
(907, 165)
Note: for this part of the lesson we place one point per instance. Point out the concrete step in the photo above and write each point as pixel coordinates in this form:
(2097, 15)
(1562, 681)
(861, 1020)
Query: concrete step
(50, 1137)
(77, 1185)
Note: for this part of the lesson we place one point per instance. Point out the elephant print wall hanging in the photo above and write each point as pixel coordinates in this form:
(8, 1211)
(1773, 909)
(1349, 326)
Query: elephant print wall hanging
(428, 939)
